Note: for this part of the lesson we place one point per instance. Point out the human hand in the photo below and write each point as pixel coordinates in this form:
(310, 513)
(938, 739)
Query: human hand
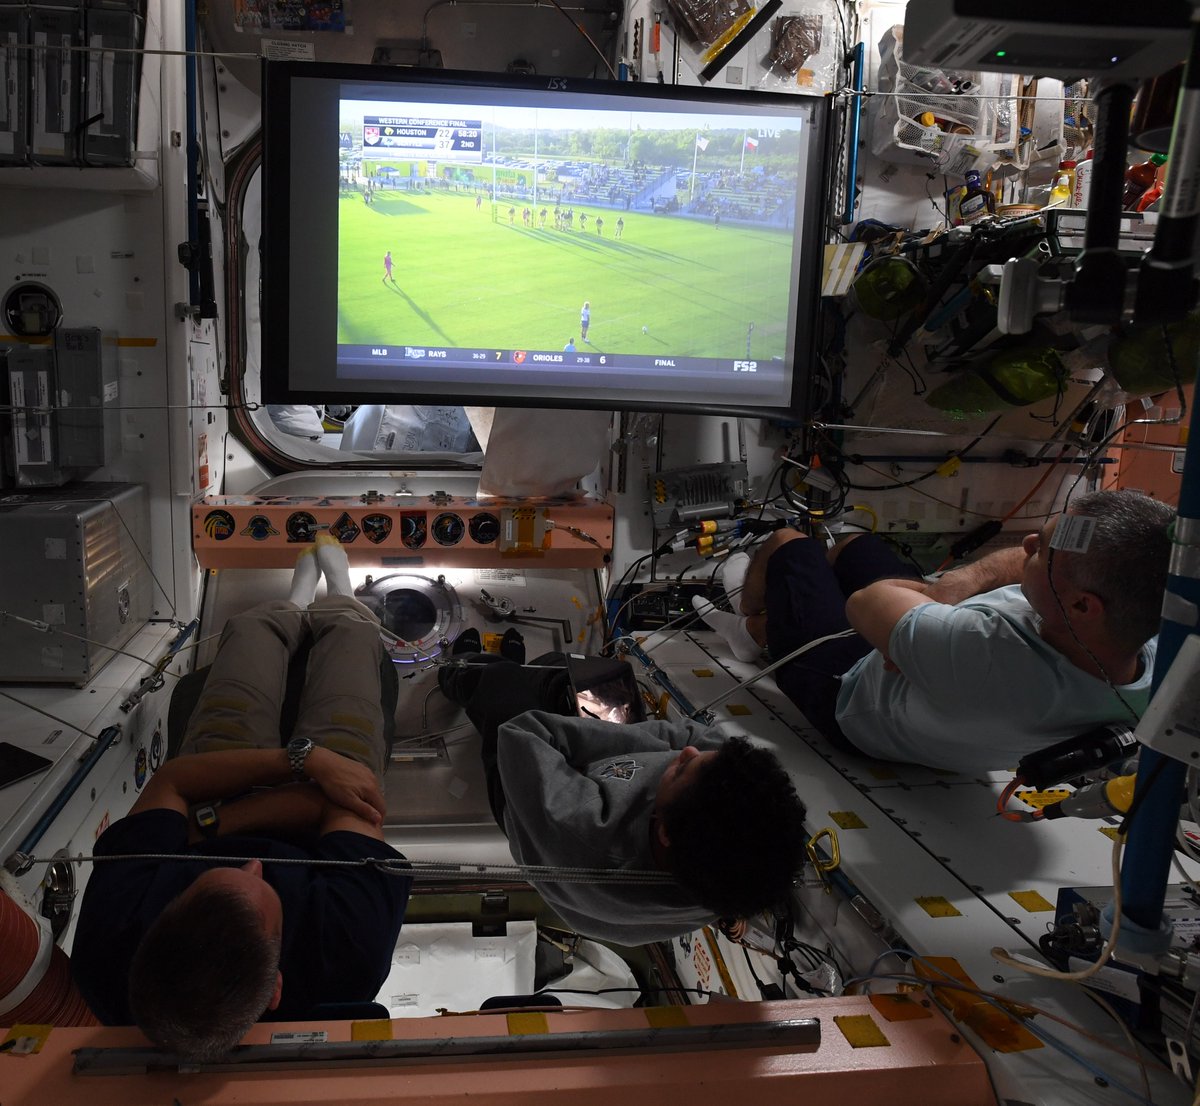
(347, 784)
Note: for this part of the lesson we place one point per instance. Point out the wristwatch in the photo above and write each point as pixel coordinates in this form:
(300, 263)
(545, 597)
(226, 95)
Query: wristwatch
(297, 753)
(208, 822)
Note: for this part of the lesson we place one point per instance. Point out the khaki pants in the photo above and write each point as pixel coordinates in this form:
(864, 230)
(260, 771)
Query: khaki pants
(340, 703)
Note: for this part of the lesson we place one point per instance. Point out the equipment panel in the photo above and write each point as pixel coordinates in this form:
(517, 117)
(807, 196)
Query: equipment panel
(403, 531)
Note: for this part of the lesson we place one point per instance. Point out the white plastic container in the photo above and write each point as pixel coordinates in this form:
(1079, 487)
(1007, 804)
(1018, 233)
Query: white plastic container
(1083, 182)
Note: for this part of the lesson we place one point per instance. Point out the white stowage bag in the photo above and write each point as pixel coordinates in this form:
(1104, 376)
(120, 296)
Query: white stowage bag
(298, 419)
(444, 965)
(597, 968)
(400, 428)
(537, 452)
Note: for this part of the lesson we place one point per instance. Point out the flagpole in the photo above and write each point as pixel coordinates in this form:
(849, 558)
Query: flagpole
(692, 182)
(742, 166)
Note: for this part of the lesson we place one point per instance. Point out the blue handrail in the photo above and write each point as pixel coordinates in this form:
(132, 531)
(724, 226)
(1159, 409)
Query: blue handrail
(105, 739)
(856, 84)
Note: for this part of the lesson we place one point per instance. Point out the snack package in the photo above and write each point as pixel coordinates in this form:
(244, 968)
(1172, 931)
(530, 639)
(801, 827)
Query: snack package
(708, 22)
(801, 50)
(794, 39)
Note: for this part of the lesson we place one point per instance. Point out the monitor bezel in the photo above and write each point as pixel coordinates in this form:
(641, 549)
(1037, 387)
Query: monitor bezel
(276, 385)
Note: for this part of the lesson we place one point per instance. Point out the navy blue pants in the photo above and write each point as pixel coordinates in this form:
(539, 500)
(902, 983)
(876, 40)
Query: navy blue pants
(492, 690)
(806, 600)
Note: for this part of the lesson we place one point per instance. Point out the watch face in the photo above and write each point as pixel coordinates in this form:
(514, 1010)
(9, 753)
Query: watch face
(297, 750)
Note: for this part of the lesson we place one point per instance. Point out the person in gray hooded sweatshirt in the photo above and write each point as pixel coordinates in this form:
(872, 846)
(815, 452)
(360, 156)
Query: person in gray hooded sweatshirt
(718, 814)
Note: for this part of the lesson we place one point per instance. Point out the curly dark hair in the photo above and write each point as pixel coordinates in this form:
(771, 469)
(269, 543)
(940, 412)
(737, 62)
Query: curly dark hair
(737, 833)
(203, 973)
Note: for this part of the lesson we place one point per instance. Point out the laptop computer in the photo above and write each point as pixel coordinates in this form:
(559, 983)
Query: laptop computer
(604, 688)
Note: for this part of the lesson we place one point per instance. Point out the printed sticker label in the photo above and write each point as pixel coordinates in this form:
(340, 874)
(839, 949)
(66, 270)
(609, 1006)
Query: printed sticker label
(1073, 534)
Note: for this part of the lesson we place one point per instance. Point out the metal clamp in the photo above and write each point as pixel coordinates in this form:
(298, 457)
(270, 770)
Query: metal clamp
(822, 864)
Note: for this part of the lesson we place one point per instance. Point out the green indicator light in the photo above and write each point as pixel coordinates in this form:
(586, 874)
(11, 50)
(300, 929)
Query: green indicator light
(1001, 53)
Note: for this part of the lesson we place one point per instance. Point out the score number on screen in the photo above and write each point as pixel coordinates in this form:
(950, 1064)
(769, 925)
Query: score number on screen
(406, 136)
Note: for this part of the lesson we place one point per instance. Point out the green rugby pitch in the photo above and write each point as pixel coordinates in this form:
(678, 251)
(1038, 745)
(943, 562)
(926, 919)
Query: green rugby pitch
(480, 282)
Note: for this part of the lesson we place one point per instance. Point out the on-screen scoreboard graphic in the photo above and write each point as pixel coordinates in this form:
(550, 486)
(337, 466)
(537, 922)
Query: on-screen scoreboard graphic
(411, 136)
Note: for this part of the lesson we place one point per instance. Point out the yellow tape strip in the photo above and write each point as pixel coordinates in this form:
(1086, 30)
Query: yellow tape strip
(900, 1008)
(995, 1027)
(1033, 901)
(378, 1030)
(937, 907)
(527, 1024)
(666, 1017)
(29, 1038)
(847, 820)
(861, 1031)
(730, 34)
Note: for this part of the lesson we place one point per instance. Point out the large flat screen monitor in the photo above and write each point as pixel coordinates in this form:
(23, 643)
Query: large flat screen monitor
(481, 239)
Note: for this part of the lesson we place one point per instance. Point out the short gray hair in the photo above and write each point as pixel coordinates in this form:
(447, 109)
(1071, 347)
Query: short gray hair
(1125, 564)
(203, 974)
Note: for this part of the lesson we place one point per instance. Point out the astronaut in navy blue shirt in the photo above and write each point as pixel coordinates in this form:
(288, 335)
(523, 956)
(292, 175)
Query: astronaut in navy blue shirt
(195, 951)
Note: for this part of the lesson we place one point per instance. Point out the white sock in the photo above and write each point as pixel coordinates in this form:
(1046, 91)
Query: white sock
(732, 627)
(733, 576)
(305, 579)
(332, 559)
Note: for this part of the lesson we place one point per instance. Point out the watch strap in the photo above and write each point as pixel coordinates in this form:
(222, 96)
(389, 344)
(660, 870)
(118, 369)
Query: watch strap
(208, 821)
(298, 750)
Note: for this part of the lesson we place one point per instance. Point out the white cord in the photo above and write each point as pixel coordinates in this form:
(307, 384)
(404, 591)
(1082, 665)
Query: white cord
(1005, 957)
(771, 668)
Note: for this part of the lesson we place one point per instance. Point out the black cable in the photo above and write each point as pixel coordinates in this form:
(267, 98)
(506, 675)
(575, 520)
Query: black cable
(903, 548)
(893, 487)
(750, 965)
(916, 372)
(1060, 390)
(765, 990)
(1104, 442)
(612, 591)
(613, 595)
(941, 212)
(926, 475)
(788, 494)
(767, 488)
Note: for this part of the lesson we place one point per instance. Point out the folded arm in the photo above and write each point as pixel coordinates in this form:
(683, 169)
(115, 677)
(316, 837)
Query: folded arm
(349, 793)
(874, 610)
(580, 741)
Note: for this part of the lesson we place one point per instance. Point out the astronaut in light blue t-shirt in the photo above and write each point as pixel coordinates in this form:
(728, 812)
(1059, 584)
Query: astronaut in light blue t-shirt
(994, 661)
(1026, 647)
